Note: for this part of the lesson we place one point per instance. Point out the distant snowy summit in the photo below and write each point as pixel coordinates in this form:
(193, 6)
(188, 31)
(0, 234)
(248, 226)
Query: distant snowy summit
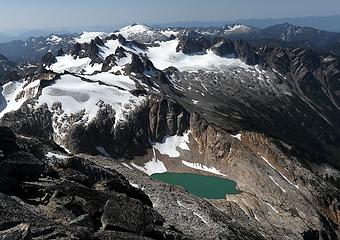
(238, 28)
(142, 33)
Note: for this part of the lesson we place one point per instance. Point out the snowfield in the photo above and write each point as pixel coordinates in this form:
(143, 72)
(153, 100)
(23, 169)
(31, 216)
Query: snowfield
(166, 56)
(110, 79)
(102, 151)
(68, 63)
(77, 95)
(86, 37)
(151, 167)
(282, 189)
(83, 65)
(163, 55)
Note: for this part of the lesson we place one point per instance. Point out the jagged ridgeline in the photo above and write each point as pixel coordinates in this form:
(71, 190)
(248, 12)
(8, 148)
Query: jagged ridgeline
(88, 119)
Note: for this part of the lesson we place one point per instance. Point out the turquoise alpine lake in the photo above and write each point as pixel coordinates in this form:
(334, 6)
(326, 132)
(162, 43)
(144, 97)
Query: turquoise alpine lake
(199, 185)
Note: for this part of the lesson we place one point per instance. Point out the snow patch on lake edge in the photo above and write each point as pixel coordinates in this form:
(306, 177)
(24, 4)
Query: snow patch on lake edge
(204, 168)
(170, 144)
(151, 167)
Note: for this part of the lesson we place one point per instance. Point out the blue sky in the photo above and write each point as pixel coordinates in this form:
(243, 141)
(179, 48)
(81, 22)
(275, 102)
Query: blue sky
(39, 14)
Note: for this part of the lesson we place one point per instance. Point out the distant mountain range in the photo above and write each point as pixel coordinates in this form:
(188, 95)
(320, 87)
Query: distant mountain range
(23, 36)
(327, 23)
(284, 35)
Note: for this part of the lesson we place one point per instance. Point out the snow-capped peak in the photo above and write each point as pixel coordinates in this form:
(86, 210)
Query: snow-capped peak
(290, 31)
(237, 28)
(141, 33)
(54, 39)
(135, 28)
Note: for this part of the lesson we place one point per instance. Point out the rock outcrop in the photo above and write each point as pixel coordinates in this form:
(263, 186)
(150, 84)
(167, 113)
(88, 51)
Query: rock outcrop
(61, 197)
(193, 43)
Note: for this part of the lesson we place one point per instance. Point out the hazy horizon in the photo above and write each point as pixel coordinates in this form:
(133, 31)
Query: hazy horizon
(68, 15)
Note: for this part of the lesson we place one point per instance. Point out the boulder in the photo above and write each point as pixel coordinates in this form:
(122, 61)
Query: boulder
(135, 218)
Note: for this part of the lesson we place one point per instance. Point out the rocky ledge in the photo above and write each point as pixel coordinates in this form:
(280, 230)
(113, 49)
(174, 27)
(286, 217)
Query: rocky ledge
(56, 196)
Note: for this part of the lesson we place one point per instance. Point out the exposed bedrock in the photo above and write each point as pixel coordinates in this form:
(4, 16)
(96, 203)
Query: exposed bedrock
(277, 183)
(52, 197)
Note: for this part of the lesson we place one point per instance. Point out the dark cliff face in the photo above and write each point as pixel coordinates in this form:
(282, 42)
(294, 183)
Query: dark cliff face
(126, 139)
(47, 197)
(166, 118)
(193, 43)
(223, 47)
(90, 50)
